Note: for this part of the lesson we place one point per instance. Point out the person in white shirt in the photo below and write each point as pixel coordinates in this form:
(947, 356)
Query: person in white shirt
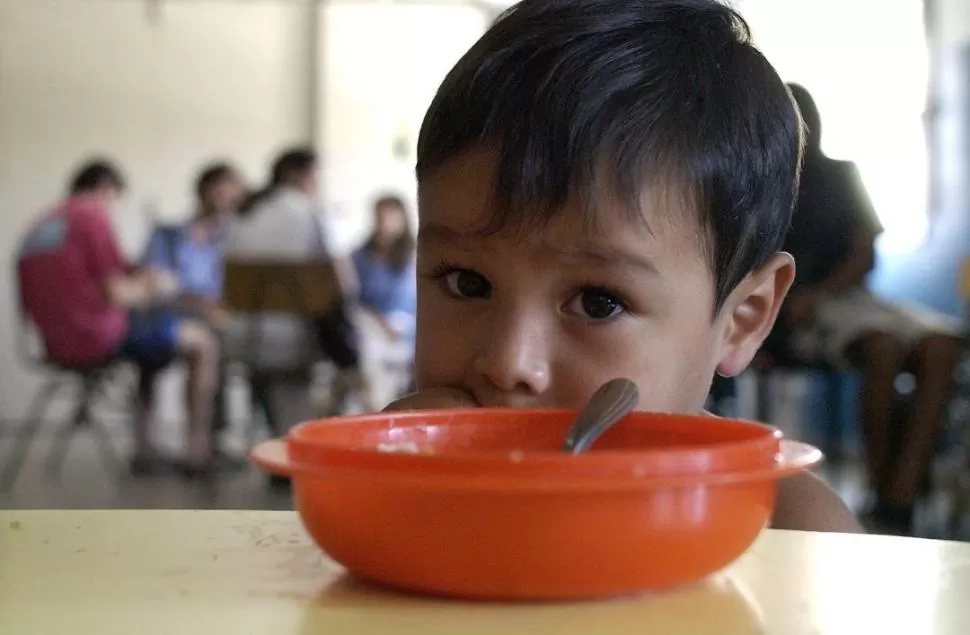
(283, 222)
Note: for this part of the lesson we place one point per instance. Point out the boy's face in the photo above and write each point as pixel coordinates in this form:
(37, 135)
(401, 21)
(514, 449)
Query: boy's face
(543, 318)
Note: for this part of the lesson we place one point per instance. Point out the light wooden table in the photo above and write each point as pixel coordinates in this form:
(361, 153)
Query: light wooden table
(180, 573)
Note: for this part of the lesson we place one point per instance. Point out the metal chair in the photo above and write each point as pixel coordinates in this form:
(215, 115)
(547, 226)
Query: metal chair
(774, 360)
(254, 287)
(92, 382)
(952, 476)
(830, 430)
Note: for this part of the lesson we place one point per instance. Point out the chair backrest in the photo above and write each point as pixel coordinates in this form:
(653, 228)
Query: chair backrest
(310, 289)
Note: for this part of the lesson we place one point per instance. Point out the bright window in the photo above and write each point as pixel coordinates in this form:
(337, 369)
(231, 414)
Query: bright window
(866, 64)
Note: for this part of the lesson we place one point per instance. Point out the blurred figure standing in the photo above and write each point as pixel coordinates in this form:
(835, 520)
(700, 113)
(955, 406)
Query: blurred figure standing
(284, 222)
(833, 318)
(88, 304)
(387, 298)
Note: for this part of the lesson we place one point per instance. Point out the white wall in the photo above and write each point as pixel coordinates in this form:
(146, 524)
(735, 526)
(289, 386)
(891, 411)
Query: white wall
(953, 21)
(382, 64)
(203, 79)
(866, 64)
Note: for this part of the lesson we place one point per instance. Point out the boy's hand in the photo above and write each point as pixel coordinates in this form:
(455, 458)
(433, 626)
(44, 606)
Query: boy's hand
(434, 398)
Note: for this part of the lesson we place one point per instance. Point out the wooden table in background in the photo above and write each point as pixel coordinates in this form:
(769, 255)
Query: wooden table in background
(211, 572)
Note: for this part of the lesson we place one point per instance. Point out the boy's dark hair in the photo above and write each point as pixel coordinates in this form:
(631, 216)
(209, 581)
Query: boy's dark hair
(581, 97)
(212, 174)
(96, 174)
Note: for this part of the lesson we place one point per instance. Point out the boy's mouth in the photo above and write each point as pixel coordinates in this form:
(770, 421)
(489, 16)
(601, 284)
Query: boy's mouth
(496, 400)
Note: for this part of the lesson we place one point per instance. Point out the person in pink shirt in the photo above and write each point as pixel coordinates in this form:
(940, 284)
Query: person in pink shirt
(88, 304)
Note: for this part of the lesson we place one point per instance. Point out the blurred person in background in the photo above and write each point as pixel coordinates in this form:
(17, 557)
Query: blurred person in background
(194, 253)
(832, 317)
(385, 271)
(283, 221)
(89, 306)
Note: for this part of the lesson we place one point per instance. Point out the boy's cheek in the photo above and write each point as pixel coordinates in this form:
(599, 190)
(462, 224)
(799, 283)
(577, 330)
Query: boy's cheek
(445, 353)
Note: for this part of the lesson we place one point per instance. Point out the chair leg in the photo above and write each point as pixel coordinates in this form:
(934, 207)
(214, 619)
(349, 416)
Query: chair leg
(116, 389)
(259, 399)
(107, 447)
(83, 417)
(32, 423)
(834, 438)
(220, 414)
(763, 396)
(62, 441)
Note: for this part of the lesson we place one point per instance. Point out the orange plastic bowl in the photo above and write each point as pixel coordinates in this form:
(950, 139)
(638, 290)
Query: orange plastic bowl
(490, 509)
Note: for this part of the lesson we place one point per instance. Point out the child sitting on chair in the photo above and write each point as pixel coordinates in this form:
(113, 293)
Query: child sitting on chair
(604, 187)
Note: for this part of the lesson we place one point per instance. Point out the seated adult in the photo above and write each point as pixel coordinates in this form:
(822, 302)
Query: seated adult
(85, 299)
(833, 318)
(195, 252)
(386, 300)
(282, 222)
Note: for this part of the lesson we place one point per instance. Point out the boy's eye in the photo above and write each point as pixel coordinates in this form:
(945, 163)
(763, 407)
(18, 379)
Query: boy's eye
(595, 305)
(467, 284)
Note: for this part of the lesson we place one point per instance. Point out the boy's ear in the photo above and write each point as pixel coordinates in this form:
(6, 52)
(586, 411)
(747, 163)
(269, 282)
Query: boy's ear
(750, 312)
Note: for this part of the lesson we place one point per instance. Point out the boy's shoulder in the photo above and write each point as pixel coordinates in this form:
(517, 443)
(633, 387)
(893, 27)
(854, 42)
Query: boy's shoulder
(806, 503)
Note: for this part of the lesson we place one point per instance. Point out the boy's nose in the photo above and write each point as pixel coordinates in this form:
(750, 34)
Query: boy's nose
(514, 358)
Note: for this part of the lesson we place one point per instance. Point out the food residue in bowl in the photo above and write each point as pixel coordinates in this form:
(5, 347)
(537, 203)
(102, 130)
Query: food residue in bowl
(410, 447)
(404, 447)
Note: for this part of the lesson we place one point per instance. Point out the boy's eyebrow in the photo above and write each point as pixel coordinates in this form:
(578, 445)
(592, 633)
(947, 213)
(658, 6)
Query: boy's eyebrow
(436, 232)
(610, 256)
(600, 255)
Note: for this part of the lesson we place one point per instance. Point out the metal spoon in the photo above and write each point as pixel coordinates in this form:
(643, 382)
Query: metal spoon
(613, 401)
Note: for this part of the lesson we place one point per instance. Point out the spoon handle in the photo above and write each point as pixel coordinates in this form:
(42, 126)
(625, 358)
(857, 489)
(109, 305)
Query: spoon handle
(613, 401)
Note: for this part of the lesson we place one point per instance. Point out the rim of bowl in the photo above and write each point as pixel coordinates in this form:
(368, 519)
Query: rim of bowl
(756, 452)
(794, 457)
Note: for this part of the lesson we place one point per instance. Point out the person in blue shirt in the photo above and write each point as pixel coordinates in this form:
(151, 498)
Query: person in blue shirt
(385, 269)
(195, 251)
(195, 254)
(387, 300)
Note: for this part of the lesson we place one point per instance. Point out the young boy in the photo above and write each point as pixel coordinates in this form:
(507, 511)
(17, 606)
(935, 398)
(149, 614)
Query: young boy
(604, 186)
